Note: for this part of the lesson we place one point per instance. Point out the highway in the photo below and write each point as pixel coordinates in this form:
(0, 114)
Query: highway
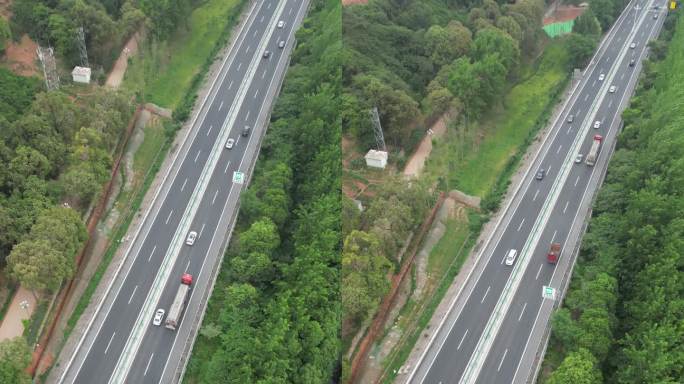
(486, 332)
(200, 193)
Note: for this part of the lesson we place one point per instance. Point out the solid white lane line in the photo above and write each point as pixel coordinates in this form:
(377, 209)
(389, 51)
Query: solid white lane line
(239, 66)
(110, 342)
(231, 84)
(559, 149)
(152, 253)
(133, 293)
(566, 206)
(226, 169)
(540, 266)
(462, 338)
(485, 295)
(247, 117)
(167, 219)
(201, 230)
(521, 223)
(221, 106)
(576, 181)
(148, 365)
(554, 235)
(197, 155)
(256, 93)
(214, 199)
(209, 130)
(502, 360)
(535, 195)
(184, 182)
(523, 311)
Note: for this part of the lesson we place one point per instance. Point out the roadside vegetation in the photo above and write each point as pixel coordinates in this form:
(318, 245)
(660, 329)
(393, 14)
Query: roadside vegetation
(622, 318)
(274, 314)
(169, 71)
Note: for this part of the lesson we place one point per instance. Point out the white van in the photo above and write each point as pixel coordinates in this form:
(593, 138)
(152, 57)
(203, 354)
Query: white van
(510, 257)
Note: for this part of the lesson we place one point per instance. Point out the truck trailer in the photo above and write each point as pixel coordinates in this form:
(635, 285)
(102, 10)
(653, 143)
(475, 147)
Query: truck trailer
(176, 311)
(594, 151)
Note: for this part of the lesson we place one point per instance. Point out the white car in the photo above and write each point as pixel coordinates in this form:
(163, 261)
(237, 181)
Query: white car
(510, 257)
(281, 44)
(612, 89)
(158, 317)
(229, 143)
(281, 24)
(578, 158)
(191, 238)
(632, 46)
(602, 76)
(597, 124)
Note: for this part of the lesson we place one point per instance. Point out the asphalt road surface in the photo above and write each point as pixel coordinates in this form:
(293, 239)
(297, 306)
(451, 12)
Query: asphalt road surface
(452, 350)
(96, 359)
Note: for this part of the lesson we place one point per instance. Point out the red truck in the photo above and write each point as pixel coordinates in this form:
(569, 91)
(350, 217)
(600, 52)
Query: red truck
(554, 253)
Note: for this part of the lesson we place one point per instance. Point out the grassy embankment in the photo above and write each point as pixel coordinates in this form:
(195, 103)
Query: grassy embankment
(164, 71)
(481, 169)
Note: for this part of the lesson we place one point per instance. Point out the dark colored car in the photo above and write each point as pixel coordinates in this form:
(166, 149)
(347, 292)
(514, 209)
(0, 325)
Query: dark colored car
(245, 130)
(540, 174)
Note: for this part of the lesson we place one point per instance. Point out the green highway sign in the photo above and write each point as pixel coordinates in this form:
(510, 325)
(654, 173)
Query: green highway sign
(549, 293)
(238, 177)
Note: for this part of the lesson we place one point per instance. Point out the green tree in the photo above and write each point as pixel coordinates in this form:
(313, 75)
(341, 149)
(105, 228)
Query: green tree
(262, 236)
(577, 368)
(5, 34)
(27, 162)
(364, 268)
(510, 26)
(37, 265)
(604, 11)
(448, 43)
(15, 356)
(580, 49)
(587, 24)
(494, 41)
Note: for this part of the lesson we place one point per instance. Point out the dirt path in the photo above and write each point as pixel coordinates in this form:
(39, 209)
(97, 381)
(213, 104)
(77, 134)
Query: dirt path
(12, 325)
(117, 74)
(417, 161)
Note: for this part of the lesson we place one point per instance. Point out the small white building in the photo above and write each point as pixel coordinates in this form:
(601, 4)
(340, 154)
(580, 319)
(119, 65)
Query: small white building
(81, 75)
(376, 159)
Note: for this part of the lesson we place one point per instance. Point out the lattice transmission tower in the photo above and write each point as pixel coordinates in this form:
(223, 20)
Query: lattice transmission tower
(47, 61)
(80, 41)
(377, 130)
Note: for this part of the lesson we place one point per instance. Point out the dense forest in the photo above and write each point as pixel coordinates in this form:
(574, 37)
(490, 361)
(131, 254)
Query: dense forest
(55, 155)
(274, 315)
(622, 318)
